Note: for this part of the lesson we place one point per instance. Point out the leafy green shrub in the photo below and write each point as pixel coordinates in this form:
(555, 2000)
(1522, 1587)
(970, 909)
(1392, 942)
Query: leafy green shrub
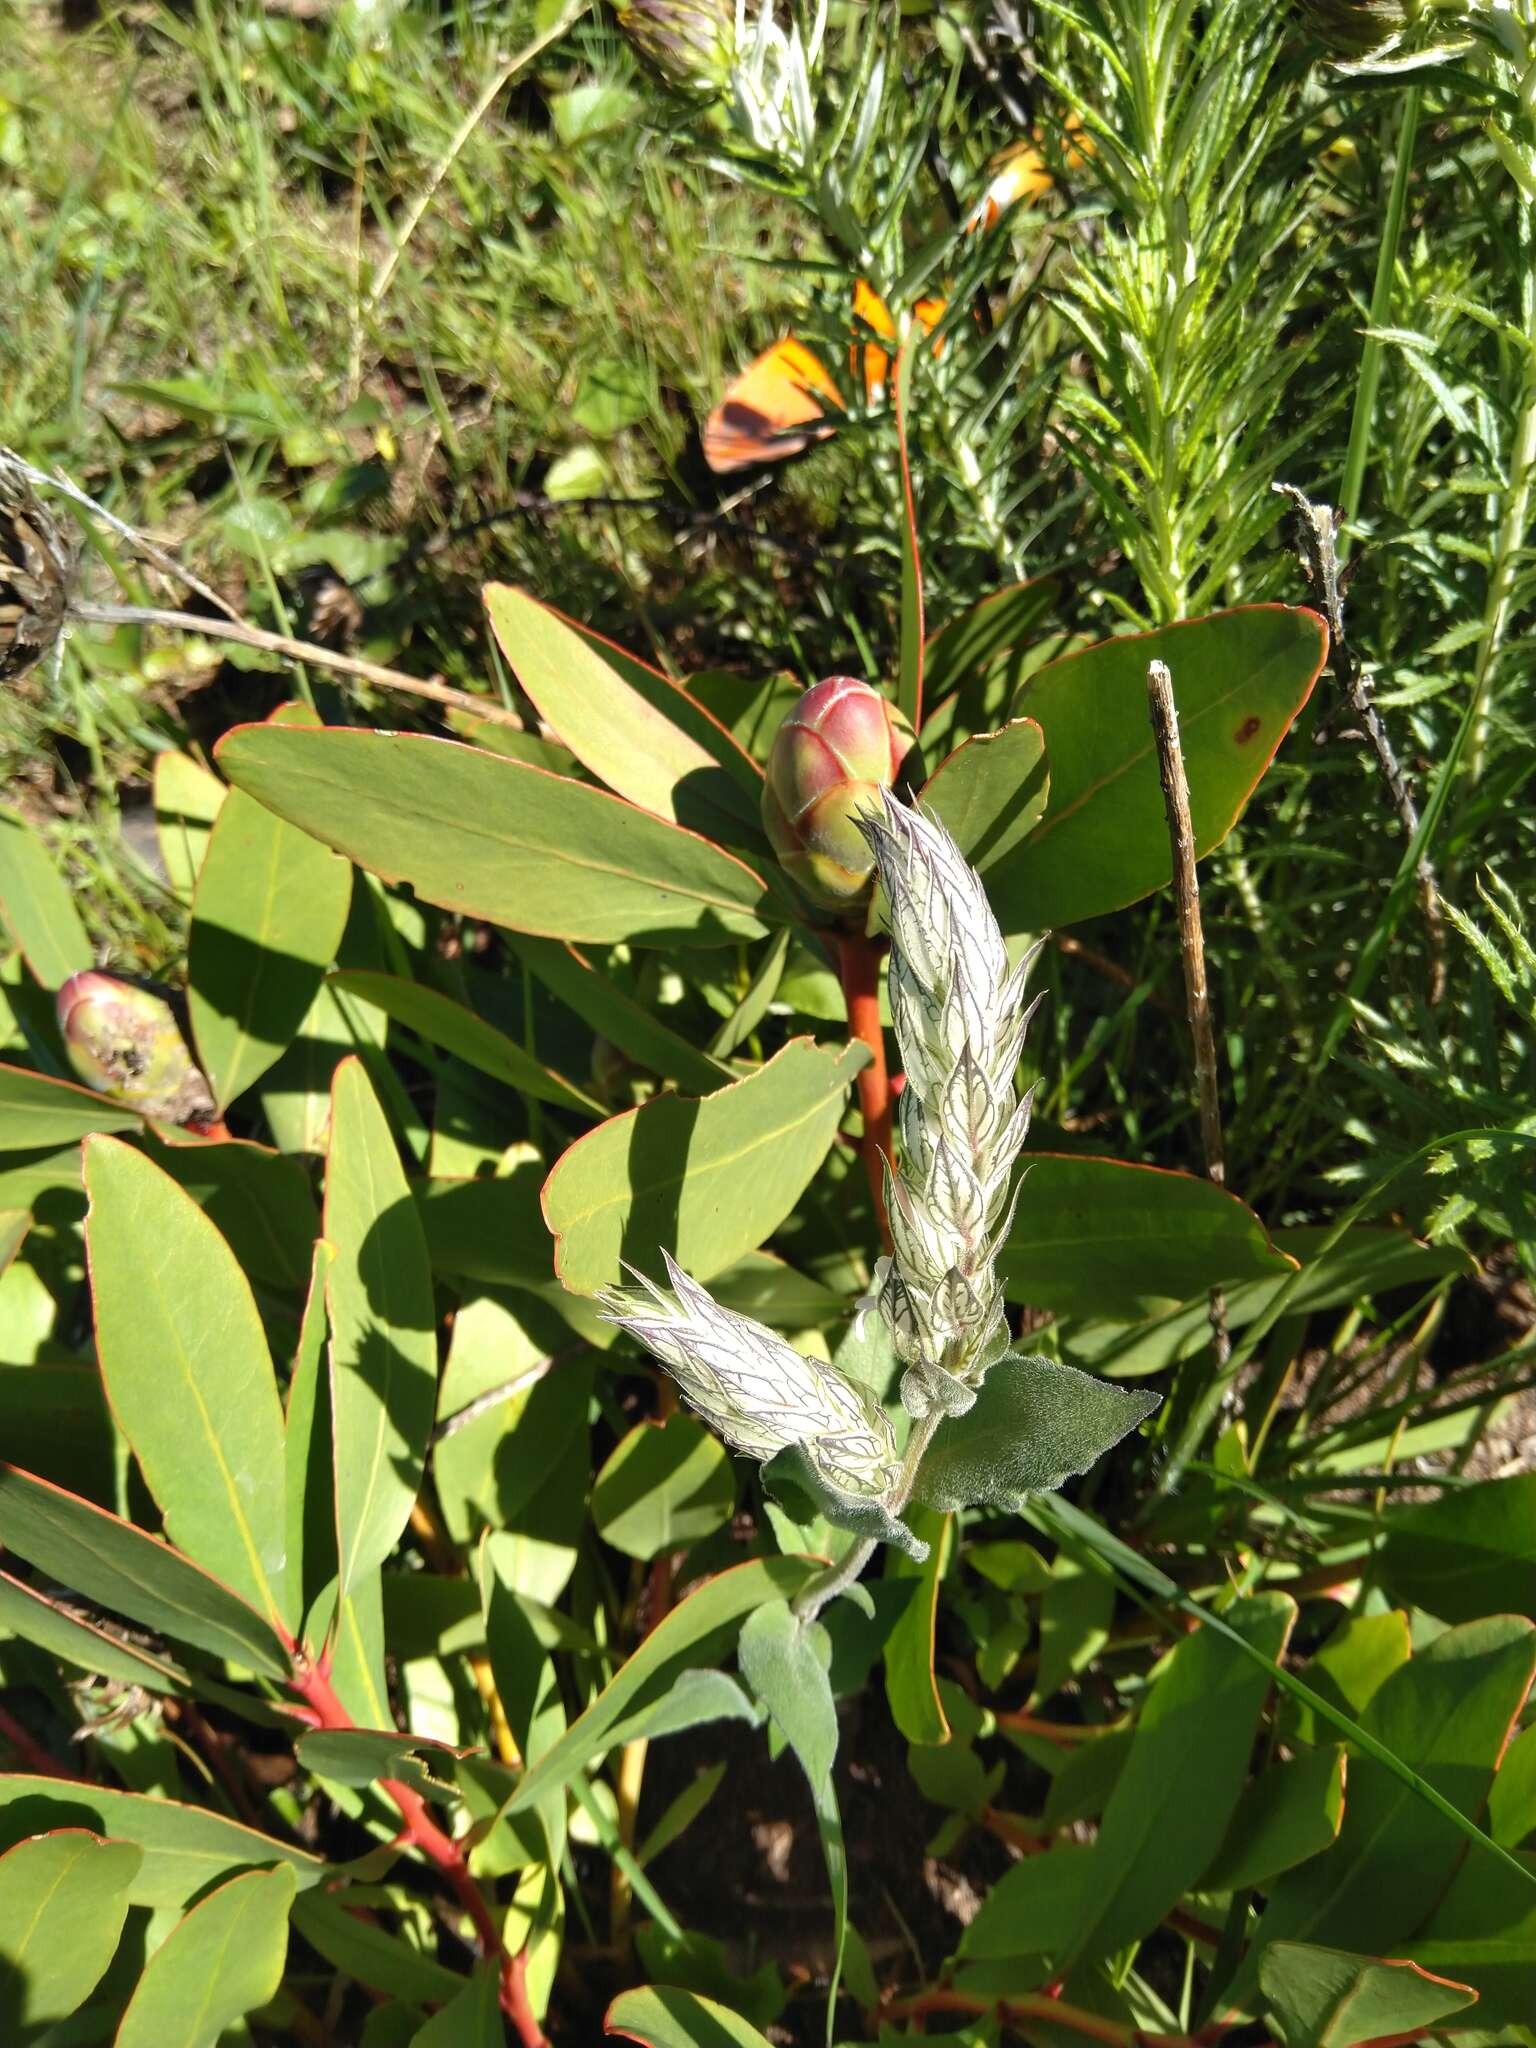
(357, 1560)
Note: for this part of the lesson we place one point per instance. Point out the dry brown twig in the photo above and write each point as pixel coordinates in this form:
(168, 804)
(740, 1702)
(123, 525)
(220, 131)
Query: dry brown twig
(1186, 891)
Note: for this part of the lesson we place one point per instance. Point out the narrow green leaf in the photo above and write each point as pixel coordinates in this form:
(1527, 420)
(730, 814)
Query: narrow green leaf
(268, 915)
(472, 2020)
(490, 837)
(966, 646)
(660, 2016)
(36, 1111)
(693, 1634)
(224, 1959)
(1110, 1239)
(36, 1619)
(909, 688)
(121, 1568)
(663, 1488)
(1325, 1998)
(307, 1453)
(1240, 678)
(1034, 1424)
(187, 1371)
(708, 1180)
(991, 792)
(634, 1029)
(383, 1334)
(63, 1899)
(186, 1848)
(37, 908)
(441, 1021)
(910, 1684)
(1468, 1554)
(634, 729)
(370, 1953)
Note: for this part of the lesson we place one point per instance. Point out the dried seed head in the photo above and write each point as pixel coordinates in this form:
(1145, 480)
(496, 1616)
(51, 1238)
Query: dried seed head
(123, 1040)
(960, 1019)
(752, 1388)
(36, 567)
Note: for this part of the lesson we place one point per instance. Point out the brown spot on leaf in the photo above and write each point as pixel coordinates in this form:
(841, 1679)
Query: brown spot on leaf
(1247, 729)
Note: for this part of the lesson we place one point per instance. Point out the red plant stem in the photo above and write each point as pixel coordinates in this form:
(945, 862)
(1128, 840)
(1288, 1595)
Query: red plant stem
(31, 1751)
(858, 959)
(421, 1831)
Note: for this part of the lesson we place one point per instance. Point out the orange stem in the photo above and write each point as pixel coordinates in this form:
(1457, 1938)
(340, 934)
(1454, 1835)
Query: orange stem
(858, 959)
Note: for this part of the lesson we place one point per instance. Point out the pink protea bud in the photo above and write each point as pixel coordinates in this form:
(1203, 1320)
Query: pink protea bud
(123, 1040)
(840, 746)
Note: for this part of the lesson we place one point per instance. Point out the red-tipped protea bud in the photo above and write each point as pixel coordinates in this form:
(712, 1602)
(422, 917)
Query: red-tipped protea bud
(123, 1040)
(841, 745)
(689, 44)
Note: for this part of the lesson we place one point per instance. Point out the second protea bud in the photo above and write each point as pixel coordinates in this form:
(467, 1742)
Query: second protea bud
(840, 746)
(123, 1040)
(689, 44)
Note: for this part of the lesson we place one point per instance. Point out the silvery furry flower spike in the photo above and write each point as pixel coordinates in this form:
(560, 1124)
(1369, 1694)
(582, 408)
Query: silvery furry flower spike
(752, 1388)
(960, 1018)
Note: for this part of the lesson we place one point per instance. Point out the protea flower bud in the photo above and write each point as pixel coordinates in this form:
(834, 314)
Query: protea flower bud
(960, 1019)
(123, 1040)
(36, 564)
(689, 44)
(840, 747)
(753, 1389)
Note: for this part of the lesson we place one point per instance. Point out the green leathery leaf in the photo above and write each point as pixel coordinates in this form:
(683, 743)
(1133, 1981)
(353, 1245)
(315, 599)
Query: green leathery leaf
(472, 2020)
(1328, 1998)
(709, 1180)
(785, 1659)
(259, 1200)
(361, 1756)
(187, 1371)
(1287, 1813)
(991, 792)
(494, 838)
(185, 1848)
(663, 2016)
(187, 800)
(26, 1613)
(36, 1111)
(633, 728)
(1447, 1714)
(1111, 1239)
(121, 1568)
(1467, 1554)
(664, 1486)
(224, 1959)
(307, 1454)
(383, 1329)
(961, 651)
(1240, 677)
(63, 1899)
(691, 1635)
(1484, 1932)
(910, 1684)
(1034, 1423)
(270, 908)
(441, 1021)
(37, 908)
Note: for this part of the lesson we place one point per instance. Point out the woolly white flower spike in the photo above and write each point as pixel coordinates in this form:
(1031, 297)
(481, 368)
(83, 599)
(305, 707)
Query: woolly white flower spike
(960, 1018)
(753, 1389)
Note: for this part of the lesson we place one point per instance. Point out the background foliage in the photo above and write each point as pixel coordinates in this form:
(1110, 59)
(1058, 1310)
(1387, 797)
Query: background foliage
(1230, 1740)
